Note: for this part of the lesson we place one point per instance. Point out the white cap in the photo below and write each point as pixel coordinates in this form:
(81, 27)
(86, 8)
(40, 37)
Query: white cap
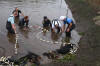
(62, 18)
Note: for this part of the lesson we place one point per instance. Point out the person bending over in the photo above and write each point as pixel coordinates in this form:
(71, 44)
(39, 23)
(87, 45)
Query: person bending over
(70, 27)
(56, 26)
(10, 25)
(23, 22)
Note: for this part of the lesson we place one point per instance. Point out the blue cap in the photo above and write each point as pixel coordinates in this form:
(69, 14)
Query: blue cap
(69, 20)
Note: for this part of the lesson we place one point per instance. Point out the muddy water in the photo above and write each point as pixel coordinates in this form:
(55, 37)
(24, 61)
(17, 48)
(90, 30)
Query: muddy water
(27, 40)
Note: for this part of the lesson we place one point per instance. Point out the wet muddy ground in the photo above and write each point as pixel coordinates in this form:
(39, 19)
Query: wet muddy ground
(27, 40)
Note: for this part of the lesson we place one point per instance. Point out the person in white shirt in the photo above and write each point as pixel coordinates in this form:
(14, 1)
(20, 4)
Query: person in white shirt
(56, 26)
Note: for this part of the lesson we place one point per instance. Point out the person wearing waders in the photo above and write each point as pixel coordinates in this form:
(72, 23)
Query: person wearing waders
(23, 22)
(70, 27)
(56, 26)
(18, 12)
(10, 26)
(46, 23)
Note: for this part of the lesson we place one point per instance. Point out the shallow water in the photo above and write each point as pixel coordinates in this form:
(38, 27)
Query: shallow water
(27, 40)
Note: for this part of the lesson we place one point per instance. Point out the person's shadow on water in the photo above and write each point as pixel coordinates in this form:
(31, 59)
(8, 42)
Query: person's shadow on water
(11, 38)
(54, 36)
(17, 20)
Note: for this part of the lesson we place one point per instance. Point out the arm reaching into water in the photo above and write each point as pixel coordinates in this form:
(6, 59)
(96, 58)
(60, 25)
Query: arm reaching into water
(63, 28)
(69, 27)
(13, 26)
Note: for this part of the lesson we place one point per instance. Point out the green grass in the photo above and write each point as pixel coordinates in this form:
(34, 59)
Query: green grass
(33, 65)
(82, 33)
(67, 58)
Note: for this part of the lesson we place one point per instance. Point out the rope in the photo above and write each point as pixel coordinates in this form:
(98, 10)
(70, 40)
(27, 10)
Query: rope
(16, 49)
(37, 36)
(16, 44)
(72, 51)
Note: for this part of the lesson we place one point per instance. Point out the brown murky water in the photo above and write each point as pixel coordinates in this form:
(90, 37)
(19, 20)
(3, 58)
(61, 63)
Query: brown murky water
(27, 40)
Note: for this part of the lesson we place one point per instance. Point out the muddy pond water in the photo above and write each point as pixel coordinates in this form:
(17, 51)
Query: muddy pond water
(30, 41)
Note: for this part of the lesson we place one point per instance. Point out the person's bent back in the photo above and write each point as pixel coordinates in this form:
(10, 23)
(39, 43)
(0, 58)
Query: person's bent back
(24, 22)
(10, 26)
(56, 26)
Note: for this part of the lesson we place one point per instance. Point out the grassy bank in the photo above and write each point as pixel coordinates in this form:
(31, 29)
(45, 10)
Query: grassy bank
(88, 54)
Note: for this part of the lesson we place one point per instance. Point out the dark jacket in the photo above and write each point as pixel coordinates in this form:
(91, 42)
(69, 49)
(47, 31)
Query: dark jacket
(46, 23)
(23, 23)
(19, 11)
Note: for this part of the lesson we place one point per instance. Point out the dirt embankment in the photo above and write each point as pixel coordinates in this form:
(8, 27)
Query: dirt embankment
(94, 3)
(88, 53)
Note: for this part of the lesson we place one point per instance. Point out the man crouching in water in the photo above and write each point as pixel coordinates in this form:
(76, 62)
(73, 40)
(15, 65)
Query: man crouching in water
(23, 23)
(46, 23)
(10, 25)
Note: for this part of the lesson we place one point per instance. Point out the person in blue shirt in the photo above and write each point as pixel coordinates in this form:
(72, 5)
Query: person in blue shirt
(10, 26)
(70, 26)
